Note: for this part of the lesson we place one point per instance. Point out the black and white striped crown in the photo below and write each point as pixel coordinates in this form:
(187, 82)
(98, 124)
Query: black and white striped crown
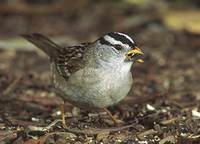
(117, 38)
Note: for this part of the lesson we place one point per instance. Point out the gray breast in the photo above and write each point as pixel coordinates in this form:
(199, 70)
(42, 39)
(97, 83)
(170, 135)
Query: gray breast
(95, 87)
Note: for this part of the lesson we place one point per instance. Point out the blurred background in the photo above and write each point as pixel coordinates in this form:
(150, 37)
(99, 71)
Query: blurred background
(168, 31)
(86, 19)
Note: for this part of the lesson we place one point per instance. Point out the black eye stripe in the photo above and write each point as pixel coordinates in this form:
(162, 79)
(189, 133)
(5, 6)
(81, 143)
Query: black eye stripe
(104, 42)
(118, 47)
(121, 38)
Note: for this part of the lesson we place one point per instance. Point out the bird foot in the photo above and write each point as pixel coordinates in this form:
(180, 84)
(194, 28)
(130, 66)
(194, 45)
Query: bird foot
(117, 122)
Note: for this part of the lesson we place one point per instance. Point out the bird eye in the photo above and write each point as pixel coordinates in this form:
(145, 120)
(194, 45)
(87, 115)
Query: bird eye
(118, 47)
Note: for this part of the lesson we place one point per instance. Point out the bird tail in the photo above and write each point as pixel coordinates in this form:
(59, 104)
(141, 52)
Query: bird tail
(43, 43)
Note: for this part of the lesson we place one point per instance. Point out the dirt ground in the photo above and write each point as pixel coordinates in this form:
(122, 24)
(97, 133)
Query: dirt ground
(162, 107)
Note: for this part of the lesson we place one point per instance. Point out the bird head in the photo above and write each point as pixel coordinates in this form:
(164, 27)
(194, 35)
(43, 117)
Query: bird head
(119, 46)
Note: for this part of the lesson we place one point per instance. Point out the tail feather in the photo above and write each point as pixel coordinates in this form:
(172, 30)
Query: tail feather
(44, 43)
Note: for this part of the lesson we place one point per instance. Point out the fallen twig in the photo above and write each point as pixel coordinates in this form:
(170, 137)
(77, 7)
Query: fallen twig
(12, 85)
(92, 131)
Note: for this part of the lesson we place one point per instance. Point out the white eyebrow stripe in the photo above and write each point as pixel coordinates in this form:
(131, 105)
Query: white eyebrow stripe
(113, 41)
(126, 36)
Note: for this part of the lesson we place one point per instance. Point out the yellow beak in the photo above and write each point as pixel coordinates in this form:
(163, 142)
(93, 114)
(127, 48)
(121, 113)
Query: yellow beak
(134, 51)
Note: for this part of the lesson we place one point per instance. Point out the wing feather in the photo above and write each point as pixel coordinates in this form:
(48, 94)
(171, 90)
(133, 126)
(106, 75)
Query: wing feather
(67, 60)
(70, 60)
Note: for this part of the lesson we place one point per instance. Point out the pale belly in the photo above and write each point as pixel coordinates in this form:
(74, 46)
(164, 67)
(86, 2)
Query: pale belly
(96, 88)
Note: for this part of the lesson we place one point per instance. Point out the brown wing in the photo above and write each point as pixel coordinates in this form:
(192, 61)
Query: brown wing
(67, 60)
(70, 59)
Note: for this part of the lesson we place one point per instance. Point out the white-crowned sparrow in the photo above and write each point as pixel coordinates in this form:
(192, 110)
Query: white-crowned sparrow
(92, 75)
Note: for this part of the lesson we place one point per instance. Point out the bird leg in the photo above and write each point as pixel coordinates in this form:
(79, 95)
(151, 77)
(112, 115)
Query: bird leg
(62, 109)
(116, 121)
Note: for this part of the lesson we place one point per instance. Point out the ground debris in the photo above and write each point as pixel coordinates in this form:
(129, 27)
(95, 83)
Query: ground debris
(163, 106)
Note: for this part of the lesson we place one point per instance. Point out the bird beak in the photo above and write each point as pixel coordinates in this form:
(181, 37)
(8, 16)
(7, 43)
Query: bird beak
(134, 52)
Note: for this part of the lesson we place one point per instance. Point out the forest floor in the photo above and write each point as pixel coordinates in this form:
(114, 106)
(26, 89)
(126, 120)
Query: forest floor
(162, 107)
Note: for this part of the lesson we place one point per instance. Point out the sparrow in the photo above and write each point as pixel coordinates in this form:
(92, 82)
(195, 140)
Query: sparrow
(93, 74)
